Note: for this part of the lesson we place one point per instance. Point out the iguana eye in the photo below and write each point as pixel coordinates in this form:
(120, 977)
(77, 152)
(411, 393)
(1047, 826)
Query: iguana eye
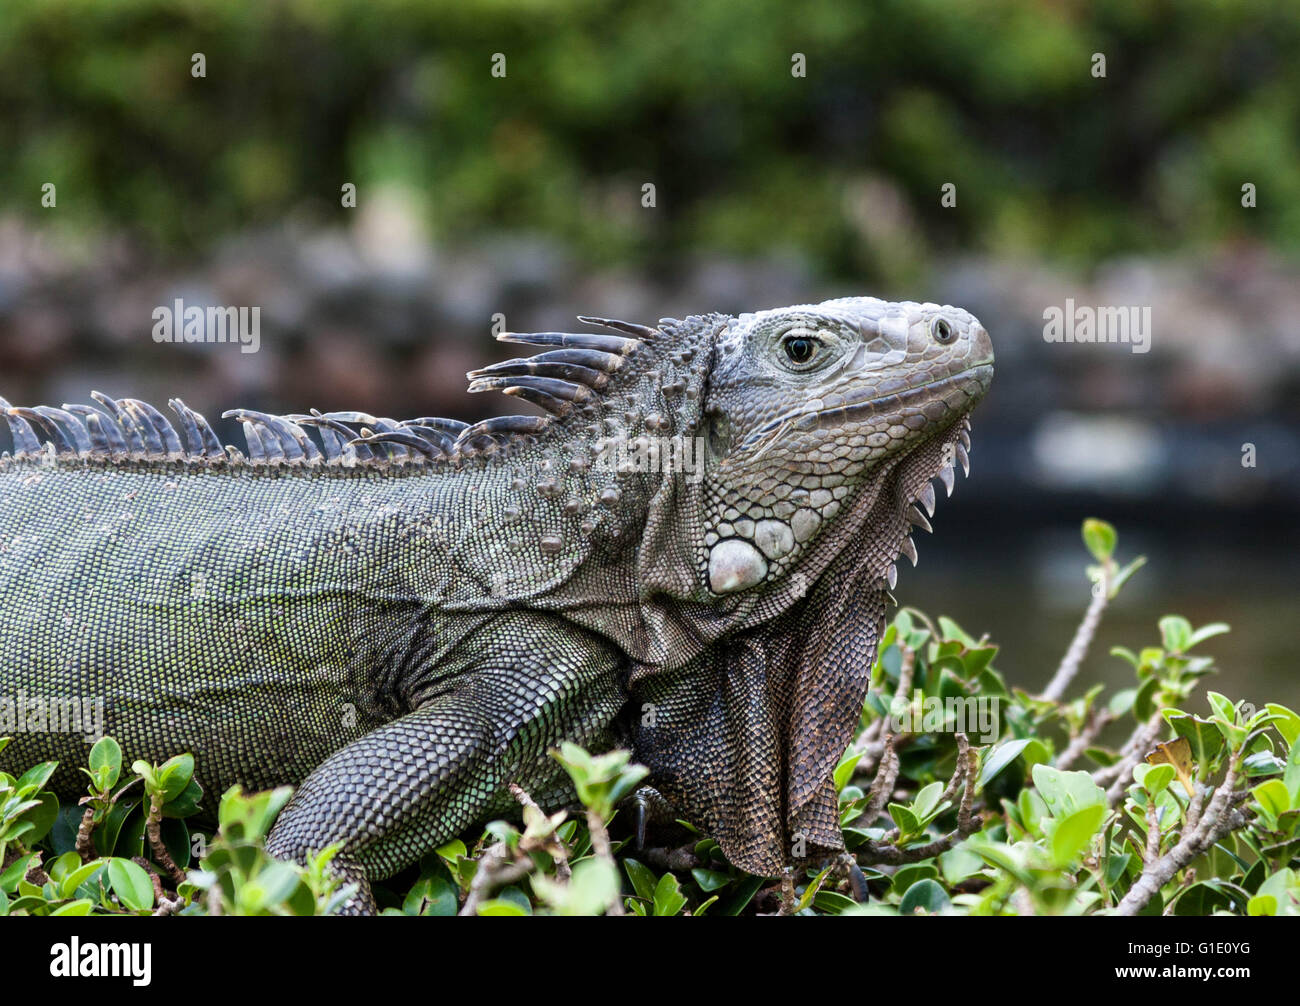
(800, 348)
(942, 331)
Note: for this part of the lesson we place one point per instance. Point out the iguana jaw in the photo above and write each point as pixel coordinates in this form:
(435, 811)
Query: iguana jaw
(848, 408)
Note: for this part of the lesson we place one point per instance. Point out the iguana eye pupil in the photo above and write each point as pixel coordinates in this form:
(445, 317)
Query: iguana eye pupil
(799, 349)
(942, 330)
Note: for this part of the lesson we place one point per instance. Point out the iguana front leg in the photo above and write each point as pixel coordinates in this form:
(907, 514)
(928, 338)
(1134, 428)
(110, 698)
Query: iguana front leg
(414, 783)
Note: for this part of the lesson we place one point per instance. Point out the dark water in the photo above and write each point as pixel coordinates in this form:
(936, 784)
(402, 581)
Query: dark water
(1019, 576)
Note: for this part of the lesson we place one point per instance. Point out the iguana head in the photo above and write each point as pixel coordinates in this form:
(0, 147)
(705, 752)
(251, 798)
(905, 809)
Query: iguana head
(824, 425)
(804, 401)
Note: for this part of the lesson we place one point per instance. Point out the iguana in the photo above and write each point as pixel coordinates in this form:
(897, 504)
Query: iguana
(689, 553)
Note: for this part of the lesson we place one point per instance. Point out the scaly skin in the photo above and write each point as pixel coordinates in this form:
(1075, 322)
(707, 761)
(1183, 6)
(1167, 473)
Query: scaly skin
(402, 624)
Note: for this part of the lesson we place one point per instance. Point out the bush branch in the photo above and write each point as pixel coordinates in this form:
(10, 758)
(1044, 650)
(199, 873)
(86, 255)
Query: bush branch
(1078, 648)
(1219, 817)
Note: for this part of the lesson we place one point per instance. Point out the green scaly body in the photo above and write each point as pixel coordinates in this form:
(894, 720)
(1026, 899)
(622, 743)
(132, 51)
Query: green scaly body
(400, 619)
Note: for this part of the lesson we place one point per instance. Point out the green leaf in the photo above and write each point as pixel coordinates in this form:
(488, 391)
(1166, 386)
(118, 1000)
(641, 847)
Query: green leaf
(1207, 896)
(1273, 797)
(176, 840)
(927, 799)
(1222, 706)
(186, 802)
(1116, 867)
(36, 776)
(642, 877)
(1206, 631)
(500, 906)
(1291, 774)
(810, 891)
(1100, 538)
(1122, 577)
(1122, 701)
(1066, 792)
(433, 895)
(15, 872)
(926, 895)
(80, 907)
(1154, 778)
(1284, 886)
(1175, 633)
(1125, 653)
(745, 888)
(668, 898)
(1144, 702)
(106, 762)
(910, 873)
(833, 903)
(145, 771)
(278, 881)
(174, 775)
(1074, 832)
(844, 771)
(1000, 757)
(105, 836)
(710, 880)
(58, 869)
(1202, 734)
(1287, 722)
(905, 820)
(131, 884)
(75, 878)
(452, 851)
(41, 815)
(952, 631)
(63, 836)
(959, 864)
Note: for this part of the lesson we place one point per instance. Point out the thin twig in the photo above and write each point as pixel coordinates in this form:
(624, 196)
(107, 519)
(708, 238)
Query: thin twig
(959, 771)
(1080, 742)
(1153, 833)
(883, 786)
(85, 846)
(495, 871)
(871, 745)
(875, 853)
(556, 848)
(601, 848)
(1134, 750)
(965, 823)
(153, 828)
(1218, 818)
(1078, 649)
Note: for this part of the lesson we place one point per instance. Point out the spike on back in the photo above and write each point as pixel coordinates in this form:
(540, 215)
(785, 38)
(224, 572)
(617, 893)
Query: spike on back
(568, 377)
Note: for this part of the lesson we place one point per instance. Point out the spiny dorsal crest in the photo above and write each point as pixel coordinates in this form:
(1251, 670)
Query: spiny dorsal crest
(568, 378)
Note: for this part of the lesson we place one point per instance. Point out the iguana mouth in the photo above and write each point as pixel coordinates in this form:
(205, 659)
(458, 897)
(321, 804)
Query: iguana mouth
(847, 409)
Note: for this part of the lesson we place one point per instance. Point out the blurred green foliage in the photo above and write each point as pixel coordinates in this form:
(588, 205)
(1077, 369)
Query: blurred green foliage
(842, 167)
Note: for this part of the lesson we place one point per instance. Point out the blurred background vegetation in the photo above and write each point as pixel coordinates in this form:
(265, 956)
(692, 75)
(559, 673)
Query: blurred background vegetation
(694, 95)
(522, 195)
